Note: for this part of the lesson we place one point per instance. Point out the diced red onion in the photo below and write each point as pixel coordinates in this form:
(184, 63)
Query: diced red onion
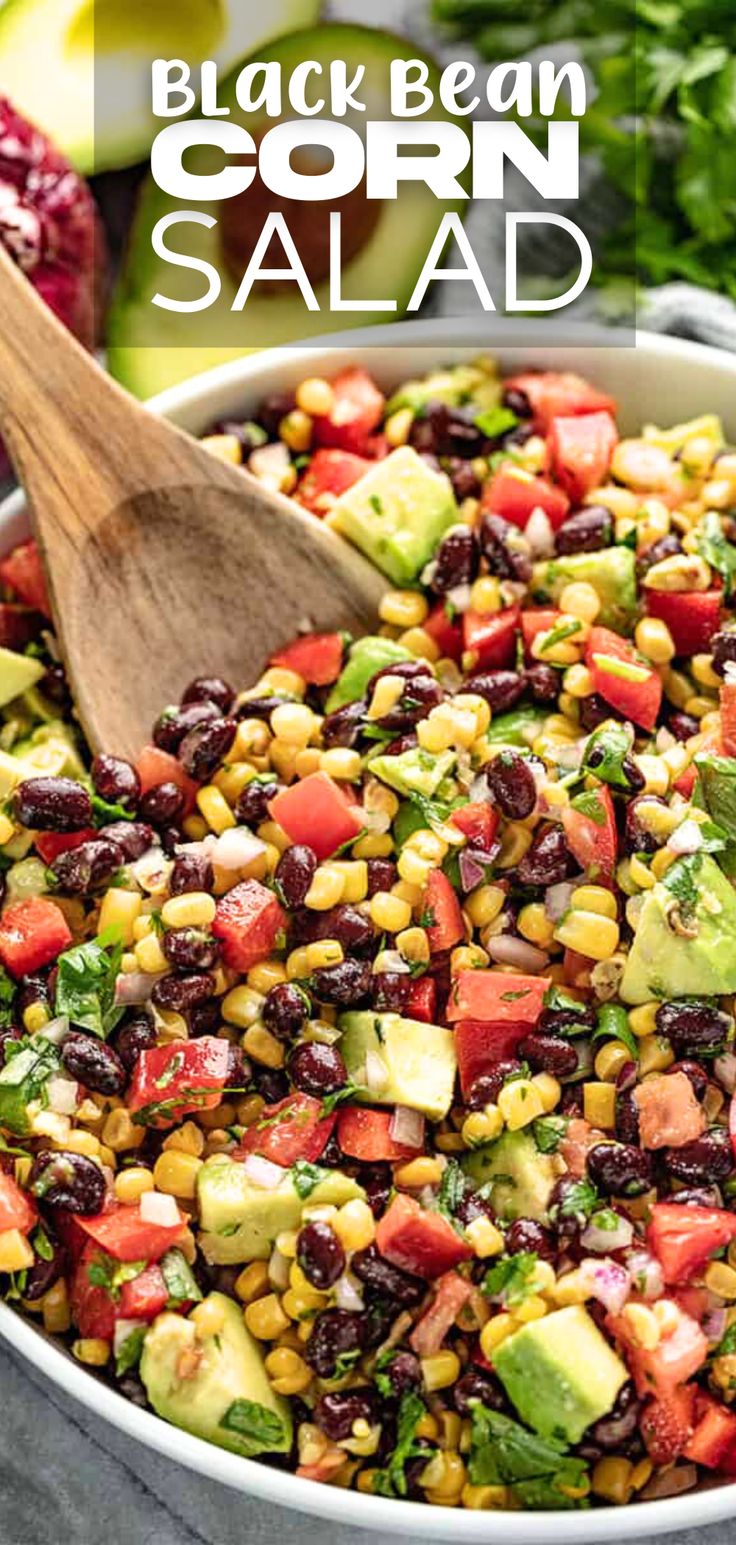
(687, 838)
(135, 987)
(608, 1282)
(459, 597)
(603, 1241)
(715, 1324)
(507, 950)
(279, 1267)
(124, 1329)
(670, 1483)
(347, 1295)
(407, 1126)
(236, 847)
(557, 900)
(56, 1030)
(262, 1172)
(62, 1094)
(157, 1207)
(376, 1072)
(539, 533)
(724, 1068)
(471, 872)
(646, 1274)
(391, 961)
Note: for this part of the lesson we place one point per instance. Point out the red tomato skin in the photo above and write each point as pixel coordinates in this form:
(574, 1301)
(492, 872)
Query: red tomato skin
(451, 1294)
(50, 844)
(514, 495)
(92, 1308)
(290, 1130)
(577, 969)
(421, 1000)
(180, 1072)
(16, 1209)
(316, 811)
(447, 635)
(713, 1441)
(247, 922)
(727, 695)
(317, 658)
(678, 1356)
(542, 620)
(692, 618)
(22, 570)
(144, 1297)
(491, 638)
(637, 700)
(479, 823)
(155, 766)
(480, 1044)
(18, 625)
(364, 1134)
(442, 906)
(420, 1242)
(32, 934)
(497, 995)
(593, 843)
(684, 1238)
(126, 1236)
(553, 394)
(330, 473)
(667, 1424)
(357, 411)
(581, 448)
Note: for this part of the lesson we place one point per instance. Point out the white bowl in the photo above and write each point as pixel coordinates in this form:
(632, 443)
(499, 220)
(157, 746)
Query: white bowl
(663, 380)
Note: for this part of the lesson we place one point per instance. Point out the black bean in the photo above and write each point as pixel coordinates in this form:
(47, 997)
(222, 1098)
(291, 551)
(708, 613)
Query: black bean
(377, 1182)
(190, 949)
(505, 550)
(667, 547)
(547, 860)
(526, 1236)
(447, 431)
(135, 1036)
(174, 723)
(203, 1018)
(53, 684)
(462, 474)
(705, 1159)
(52, 805)
(682, 725)
(633, 774)
(627, 1118)
(93, 1064)
(337, 1412)
(401, 1287)
(382, 875)
(581, 1016)
(239, 1070)
(262, 707)
(517, 401)
(343, 985)
(320, 1254)
(346, 923)
(400, 744)
(419, 697)
(486, 1088)
(694, 1026)
(271, 1084)
(69, 1180)
(133, 1389)
(336, 1333)
(204, 747)
(273, 408)
(295, 871)
(116, 780)
(566, 1213)
(619, 1169)
(317, 1069)
(285, 1010)
(87, 867)
(586, 531)
(44, 1272)
(638, 837)
(252, 806)
(457, 561)
(723, 649)
(476, 1386)
(133, 838)
(343, 727)
(404, 1373)
(501, 689)
(390, 991)
(622, 1423)
(407, 670)
(511, 784)
(594, 710)
(543, 682)
(191, 872)
(209, 689)
(549, 1054)
(163, 804)
(179, 992)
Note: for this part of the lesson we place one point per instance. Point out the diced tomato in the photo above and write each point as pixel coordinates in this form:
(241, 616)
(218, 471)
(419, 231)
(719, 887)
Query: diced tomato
(421, 1000)
(710, 740)
(541, 620)
(692, 616)
(292, 1129)
(155, 766)
(727, 695)
(673, 1361)
(579, 1138)
(713, 1441)
(441, 908)
(732, 1122)
(451, 1294)
(50, 844)
(364, 1134)
(16, 1209)
(669, 1113)
(447, 634)
(479, 823)
(357, 411)
(577, 969)
(126, 1236)
(684, 1238)
(667, 1424)
(497, 995)
(317, 811)
(581, 448)
(23, 572)
(92, 1307)
(421, 1242)
(589, 824)
(247, 922)
(481, 1043)
(490, 637)
(18, 625)
(695, 1300)
(32, 934)
(317, 658)
(173, 1080)
(636, 692)
(514, 494)
(329, 474)
(553, 394)
(145, 1296)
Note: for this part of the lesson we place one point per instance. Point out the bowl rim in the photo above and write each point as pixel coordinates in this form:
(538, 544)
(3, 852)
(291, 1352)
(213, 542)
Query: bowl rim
(392, 1517)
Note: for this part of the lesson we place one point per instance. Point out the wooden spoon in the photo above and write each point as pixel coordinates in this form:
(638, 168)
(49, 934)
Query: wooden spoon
(162, 562)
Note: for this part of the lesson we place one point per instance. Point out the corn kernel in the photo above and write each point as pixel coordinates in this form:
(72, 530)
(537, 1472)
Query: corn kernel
(571, 1289)
(252, 1282)
(589, 934)
(643, 1020)
(355, 1225)
(56, 1311)
(323, 954)
(175, 1174)
(263, 1047)
(534, 925)
(404, 608)
(374, 845)
(515, 840)
(293, 723)
(35, 1016)
(484, 904)
(610, 1060)
(548, 1089)
(413, 945)
(265, 1318)
(578, 681)
(119, 1133)
(193, 909)
(242, 1006)
(387, 693)
(315, 397)
(533, 1308)
(482, 1126)
(655, 1055)
(326, 890)
(413, 868)
(212, 804)
(131, 1184)
(187, 1138)
(224, 448)
(469, 957)
(721, 1279)
(485, 1498)
(15, 1252)
(580, 600)
(287, 1371)
(389, 913)
(420, 644)
(667, 1315)
(150, 956)
(494, 1332)
(440, 1371)
(611, 1479)
(341, 763)
(485, 1238)
(119, 910)
(296, 964)
(594, 898)
(519, 1103)
(599, 1105)
(92, 1350)
(418, 1172)
(654, 640)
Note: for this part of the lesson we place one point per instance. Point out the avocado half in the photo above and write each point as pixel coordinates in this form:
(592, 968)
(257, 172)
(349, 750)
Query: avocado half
(80, 69)
(385, 245)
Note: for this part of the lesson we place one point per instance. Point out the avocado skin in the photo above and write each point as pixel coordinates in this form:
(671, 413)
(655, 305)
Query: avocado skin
(664, 962)
(397, 514)
(560, 1373)
(240, 1220)
(612, 573)
(226, 1368)
(365, 657)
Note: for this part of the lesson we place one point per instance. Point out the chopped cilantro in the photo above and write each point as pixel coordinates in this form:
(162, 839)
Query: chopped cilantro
(392, 1481)
(306, 1177)
(539, 1471)
(85, 985)
(256, 1425)
(549, 1132)
(494, 422)
(606, 752)
(129, 1355)
(452, 1188)
(511, 1280)
(716, 550)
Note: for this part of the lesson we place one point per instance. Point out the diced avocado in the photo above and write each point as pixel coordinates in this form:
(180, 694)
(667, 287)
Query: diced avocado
(414, 772)
(458, 385)
(215, 1386)
(419, 1060)
(612, 573)
(560, 1373)
(521, 1178)
(717, 789)
(240, 1220)
(51, 749)
(365, 657)
(518, 727)
(18, 672)
(397, 514)
(685, 941)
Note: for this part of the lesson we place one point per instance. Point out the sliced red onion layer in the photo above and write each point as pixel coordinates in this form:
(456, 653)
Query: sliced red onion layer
(376, 1072)
(407, 1126)
(156, 1207)
(507, 950)
(670, 1483)
(604, 1240)
(715, 1324)
(262, 1172)
(557, 900)
(608, 1282)
(347, 1295)
(724, 1068)
(646, 1274)
(471, 872)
